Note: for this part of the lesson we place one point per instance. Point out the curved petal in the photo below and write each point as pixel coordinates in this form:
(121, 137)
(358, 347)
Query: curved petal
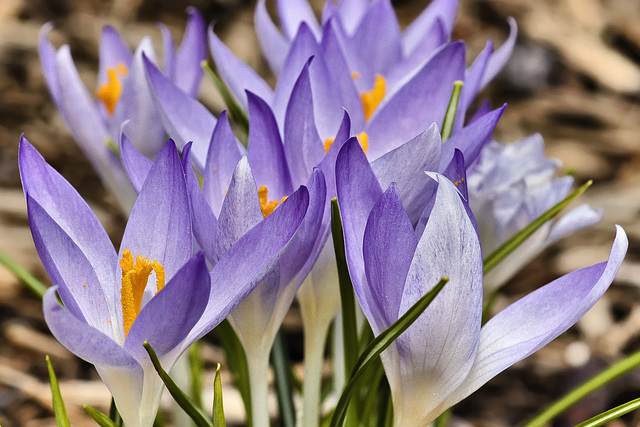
(501, 55)
(136, 164)
(47, 54)
(273, 44)
(184, 118)
(266, 152)
(292, 13)
(191, 53)
(236, 74)
(581, 217)
(113, 50)
(159, 227)
(168, 53)
(533, 321)
(438, 10)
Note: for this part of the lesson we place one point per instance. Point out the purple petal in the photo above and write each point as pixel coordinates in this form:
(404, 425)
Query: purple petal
(351, 13)
(292, 13)
(501, 56)
(159, 227)
(472, 84)
(406, 165)
(437, 350)
(70, 212)
(191, 53)
(184, 118)
(533, 321)
(47, 55)
(581, 217)
(240, 211)
(302, 144)
(418, 103)
(136, 165)
(273, 44)
(328, 164)
(266, 152)
(236, 74)
(250, 260)
(456, 173)
(168, 53)
(113, 51)
(168, 318)
(388, 236)
(358, 191)
(224, 153)
(438, 10)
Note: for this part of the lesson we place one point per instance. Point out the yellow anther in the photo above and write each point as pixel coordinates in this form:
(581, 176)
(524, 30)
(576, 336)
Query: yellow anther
(134, 281)
(327, 144)
(267, 206)
(363, 139)
(371, 99)
(109, 93)
(355, 75)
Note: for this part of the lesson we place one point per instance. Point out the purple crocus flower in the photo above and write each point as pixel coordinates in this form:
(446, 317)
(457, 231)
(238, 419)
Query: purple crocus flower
(153, 288)
(509, 187)
(122, 94)
(446, 354)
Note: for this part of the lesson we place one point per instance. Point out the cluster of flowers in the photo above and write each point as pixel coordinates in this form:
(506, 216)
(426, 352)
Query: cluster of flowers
(361, 111)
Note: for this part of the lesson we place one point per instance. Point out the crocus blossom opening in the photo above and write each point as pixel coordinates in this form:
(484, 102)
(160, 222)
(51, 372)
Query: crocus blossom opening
(371, 99)
(109, 92)
(135, 276)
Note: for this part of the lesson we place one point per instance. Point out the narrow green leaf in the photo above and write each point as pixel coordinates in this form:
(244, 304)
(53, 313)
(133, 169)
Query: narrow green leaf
(380, 343)
(610, 374)
(21, 273)
(510, 245)
(236, 112)
(114, 415)
(218, 409)
(371, 397)
(611, 414)
(185, 402)
(452, 110)
(196, 372)
(283, 379)
(58, 404)
(348, 306)
(443, 419)
(237, 363)
(99, 417)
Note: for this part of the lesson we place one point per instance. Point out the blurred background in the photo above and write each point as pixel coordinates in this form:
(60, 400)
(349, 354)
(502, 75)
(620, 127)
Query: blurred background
(574, 77)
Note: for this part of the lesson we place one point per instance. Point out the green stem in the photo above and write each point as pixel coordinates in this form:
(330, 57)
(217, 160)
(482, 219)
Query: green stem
(258, 364)
(21, 273)
(281, 371)
(603, 378)
(611, 414)
(452, 110)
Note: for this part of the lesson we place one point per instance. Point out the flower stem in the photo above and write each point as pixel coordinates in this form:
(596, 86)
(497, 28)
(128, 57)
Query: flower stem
(315, 335)
(258, 364)
(565, 402)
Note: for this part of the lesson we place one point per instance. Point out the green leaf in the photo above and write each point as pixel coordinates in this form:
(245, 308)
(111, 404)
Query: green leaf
(236, 112)
(380, 343)
(236, 362)
(99, 417)
(452, 109)
(283, 379)
(510, 245)
(371, 402)
(58, 404)
(196, 372)
(185, 402)
(611, 414)
(348, 305)
(21, 273)
(218, 409)
(114, 415)
(610, 374)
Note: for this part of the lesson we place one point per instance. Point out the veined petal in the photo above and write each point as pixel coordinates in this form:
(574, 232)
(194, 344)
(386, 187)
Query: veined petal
(183, 117)
(274, 45)
(438, 10)
(533, 321)
(437, 351)
(222, 157)
(328, 164)
(240, 211)
(237, 75)
(302, 144)
(406, 165)
(159, 227)
(191, 53)
(422, 100)
(266, 152)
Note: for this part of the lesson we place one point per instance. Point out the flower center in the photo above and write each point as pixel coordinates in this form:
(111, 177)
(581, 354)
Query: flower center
(363, 139)
(135, 276)
(371, 99)
(267, 206)
(109, 93)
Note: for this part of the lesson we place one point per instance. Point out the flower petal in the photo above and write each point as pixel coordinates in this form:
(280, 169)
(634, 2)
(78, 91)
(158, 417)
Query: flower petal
(273, 44)
(191, 53)
(501, 55)
(533, 321)
(136, 164)
(113, 51)
(292, 13)
(438, 10)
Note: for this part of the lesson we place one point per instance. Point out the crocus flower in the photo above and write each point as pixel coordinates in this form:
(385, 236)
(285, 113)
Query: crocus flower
(122, 94)
(509, 187)
(446, 354)
(153, 288)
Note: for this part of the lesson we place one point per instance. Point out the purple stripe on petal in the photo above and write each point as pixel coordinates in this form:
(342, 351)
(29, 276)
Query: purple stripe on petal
(159, 227)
